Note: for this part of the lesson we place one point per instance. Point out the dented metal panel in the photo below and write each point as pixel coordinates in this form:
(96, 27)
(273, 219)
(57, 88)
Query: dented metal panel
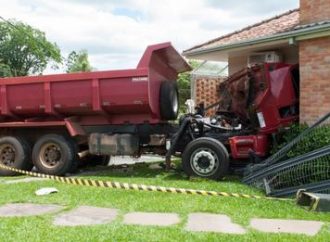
(264, 95)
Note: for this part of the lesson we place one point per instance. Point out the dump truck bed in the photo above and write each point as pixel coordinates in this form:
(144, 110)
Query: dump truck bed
(101, 97)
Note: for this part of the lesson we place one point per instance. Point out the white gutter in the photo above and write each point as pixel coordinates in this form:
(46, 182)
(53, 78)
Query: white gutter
(299, 34)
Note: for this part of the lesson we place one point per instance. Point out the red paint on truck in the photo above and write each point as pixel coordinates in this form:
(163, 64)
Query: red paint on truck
(96, 98)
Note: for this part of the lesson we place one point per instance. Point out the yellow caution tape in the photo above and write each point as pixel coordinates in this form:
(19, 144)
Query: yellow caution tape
(135, 187)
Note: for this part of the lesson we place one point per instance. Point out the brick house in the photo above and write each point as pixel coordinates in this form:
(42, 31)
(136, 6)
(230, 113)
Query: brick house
(301, 36)
(205, 80)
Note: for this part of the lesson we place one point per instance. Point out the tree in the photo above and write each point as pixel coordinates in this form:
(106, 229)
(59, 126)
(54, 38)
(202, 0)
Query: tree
(78, 62)
(4, 70)
(184, 81)
(24, 50)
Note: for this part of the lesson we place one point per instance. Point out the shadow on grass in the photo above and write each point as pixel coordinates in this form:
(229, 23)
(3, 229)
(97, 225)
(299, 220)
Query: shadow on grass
(143, 170)
(137, 170)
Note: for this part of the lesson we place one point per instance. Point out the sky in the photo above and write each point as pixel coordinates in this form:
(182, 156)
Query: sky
(116, 32)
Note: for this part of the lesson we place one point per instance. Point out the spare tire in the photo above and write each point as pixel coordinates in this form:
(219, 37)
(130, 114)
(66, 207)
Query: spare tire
(169, 100)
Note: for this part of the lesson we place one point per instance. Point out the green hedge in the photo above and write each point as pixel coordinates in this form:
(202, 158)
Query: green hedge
(318, 138)
(308, 172)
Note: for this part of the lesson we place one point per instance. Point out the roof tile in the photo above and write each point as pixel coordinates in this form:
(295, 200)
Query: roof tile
(275, 25)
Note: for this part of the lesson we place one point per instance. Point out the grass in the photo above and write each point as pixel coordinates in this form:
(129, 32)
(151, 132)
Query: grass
(40, 228)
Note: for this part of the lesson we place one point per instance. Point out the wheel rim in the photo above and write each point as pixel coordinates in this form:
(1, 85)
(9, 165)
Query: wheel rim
(7, 154)
(204, 162)
(50, 155)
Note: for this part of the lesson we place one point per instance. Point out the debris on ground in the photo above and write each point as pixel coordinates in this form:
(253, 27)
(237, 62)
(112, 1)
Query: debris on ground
(46, 191)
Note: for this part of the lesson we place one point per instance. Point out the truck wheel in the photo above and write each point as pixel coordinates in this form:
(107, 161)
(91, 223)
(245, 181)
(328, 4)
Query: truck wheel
(169, 100)
(205, 157)
(75, 162)
(14, 152)
(54, 154)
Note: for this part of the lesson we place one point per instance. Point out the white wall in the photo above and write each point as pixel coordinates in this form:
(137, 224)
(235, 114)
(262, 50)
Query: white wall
(238, 61)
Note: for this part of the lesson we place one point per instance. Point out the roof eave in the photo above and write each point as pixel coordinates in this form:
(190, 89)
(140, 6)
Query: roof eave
(299, 34)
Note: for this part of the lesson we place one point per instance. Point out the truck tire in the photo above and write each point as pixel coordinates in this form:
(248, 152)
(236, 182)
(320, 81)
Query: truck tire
(205, 157)
(75, 162)
(14, 152)
(54, 155)
(169, 100)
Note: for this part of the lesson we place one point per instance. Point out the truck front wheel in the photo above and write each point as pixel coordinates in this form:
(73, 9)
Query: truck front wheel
(14, 152)
(205, 157)
(54, 154)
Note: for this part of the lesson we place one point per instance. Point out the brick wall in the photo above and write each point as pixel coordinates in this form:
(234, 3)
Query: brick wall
(314, 58)
(314, 11)
(207, 91)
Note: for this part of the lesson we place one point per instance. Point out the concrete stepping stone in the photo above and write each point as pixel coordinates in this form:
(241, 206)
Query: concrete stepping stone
(207, 222)
(152, 219)
(287, 226)
(86, 215)
(27, 209)
(24, 180)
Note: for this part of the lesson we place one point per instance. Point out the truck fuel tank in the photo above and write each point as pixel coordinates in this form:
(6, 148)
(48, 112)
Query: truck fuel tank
(113, 144)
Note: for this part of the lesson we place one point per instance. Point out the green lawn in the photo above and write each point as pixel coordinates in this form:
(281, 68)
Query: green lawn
(40, 228)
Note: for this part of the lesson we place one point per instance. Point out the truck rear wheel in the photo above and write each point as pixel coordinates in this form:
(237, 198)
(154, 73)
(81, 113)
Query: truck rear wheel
(169, 100)
(14, 152)
(205, 157)
(54, 154)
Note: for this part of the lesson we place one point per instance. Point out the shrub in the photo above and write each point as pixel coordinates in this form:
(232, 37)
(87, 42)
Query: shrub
(309, 171)
(318, 138)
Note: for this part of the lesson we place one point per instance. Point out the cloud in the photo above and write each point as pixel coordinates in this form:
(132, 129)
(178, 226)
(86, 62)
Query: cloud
(248, 8)
(115, 33)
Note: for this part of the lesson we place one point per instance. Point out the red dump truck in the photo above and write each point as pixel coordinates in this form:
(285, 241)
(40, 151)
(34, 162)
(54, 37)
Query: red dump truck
(46, 121)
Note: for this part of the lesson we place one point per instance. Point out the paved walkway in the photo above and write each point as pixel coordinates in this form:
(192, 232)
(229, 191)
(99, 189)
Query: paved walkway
(86, 215)
(197, 222)
(27, 209)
